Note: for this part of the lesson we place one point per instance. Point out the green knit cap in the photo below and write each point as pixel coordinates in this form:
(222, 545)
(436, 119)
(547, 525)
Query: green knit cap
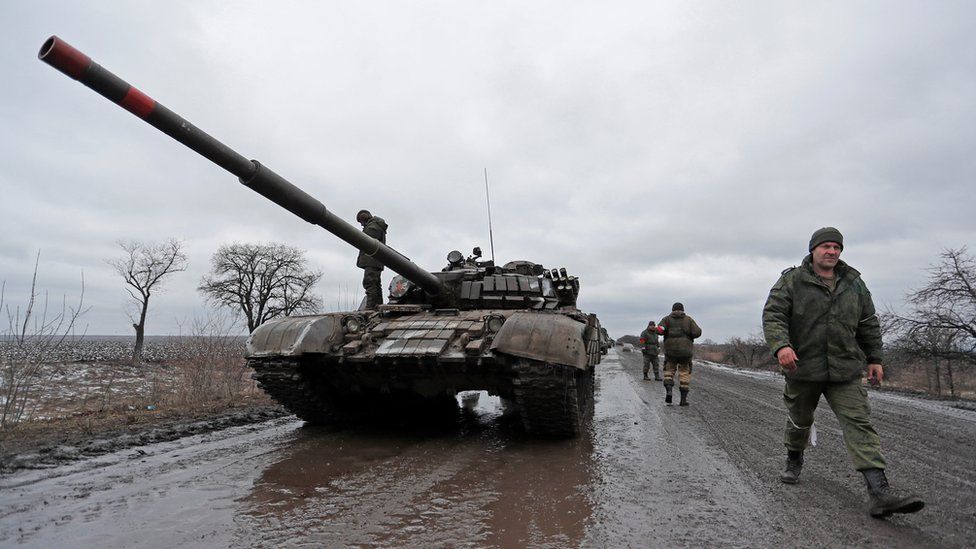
(826, 234)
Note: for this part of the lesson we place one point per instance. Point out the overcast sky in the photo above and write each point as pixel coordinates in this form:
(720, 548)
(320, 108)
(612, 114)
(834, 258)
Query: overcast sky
(679, 151)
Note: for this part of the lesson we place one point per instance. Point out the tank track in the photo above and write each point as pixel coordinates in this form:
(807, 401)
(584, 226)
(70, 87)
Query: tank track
(293, 384)
(283, 379)
(553, 400)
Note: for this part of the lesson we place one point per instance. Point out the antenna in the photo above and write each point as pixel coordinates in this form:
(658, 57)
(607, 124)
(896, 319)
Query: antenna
(491, 238)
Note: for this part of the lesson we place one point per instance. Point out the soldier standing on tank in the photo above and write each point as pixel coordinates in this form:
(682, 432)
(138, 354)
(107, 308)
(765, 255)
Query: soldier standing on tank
(679, 331)
(649, 340)
(820, 323)
(375, 227)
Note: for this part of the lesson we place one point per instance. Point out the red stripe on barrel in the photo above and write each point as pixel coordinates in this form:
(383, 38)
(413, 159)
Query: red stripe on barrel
(65, 58)
(137, 103)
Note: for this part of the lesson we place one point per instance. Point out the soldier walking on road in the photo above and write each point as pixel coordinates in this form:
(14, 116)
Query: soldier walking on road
(375, 227)
(680, 331)
(821, 325)
(649, 340)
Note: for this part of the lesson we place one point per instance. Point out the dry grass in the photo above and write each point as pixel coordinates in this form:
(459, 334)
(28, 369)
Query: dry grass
(86, 389)
(212, 369)
(206, 371)
(84, 401)
(925, 376)
(711, 355)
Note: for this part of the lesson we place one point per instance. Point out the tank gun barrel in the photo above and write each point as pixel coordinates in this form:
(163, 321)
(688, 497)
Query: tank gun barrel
(62, 56)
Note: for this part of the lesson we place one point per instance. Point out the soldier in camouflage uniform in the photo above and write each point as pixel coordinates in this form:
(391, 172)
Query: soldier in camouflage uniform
(649, 340)
(821, 325)
(372, 269)
(679, 331)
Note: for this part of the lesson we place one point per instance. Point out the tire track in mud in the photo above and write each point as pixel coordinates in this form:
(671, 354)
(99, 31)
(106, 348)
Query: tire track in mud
(930, 449)
(744, 415)
(660, 480)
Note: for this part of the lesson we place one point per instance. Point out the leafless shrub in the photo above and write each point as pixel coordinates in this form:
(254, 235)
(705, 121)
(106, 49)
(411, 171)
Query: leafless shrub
(750, 352)
(211, 365)
(35, 333)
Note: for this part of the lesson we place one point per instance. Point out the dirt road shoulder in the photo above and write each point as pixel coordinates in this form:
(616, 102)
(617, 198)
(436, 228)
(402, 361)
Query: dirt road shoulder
(43, 444)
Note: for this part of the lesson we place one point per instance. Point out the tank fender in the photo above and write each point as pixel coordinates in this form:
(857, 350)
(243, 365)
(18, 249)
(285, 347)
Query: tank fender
(294, 336)
(552, 338)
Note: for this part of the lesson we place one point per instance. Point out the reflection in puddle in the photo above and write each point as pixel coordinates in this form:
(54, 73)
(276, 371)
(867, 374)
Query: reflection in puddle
(481, 481)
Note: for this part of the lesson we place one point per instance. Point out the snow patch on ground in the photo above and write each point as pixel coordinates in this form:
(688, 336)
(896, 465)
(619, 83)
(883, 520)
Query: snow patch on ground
(755, 374)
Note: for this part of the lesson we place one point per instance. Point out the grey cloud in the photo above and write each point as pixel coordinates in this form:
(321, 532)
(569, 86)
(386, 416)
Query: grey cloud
(618, 138)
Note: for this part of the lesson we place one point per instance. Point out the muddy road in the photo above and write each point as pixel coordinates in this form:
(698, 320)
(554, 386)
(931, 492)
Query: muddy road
(646, 475)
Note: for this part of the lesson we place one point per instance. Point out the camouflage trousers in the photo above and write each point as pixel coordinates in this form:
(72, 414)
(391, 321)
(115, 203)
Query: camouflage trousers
(849, 401)
(373, 287)
(680, 365)
(651, 361)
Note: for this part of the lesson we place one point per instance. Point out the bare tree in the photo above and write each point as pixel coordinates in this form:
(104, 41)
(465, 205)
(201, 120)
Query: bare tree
(144, 266)
(264, 281)
(942, 324)
(944, 310)
(34, 337)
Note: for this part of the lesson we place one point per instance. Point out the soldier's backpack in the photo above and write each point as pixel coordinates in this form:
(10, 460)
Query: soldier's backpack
(677, 337)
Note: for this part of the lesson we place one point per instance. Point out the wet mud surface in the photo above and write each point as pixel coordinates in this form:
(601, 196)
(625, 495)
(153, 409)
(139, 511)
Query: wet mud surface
(61, 444)
(646, 475)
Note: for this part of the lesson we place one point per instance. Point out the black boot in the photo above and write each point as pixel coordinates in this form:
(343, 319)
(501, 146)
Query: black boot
(667, 397)
(684, 397)
(794, 463)
(657, 375)
(884, 500)
(645, 375)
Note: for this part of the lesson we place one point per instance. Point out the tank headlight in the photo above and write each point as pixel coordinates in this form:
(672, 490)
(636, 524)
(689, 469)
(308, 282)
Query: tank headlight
(353, 325)
(494, 323)
(399, 286)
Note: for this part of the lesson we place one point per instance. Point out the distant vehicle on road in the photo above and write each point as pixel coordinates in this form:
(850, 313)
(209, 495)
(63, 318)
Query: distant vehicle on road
(628, 348)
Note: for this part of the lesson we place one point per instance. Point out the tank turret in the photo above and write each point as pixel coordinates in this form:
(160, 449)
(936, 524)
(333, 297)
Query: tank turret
(513, 330)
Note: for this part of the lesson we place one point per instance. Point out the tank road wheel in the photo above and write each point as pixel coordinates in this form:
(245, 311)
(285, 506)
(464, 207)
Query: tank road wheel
(289, 384)
(553, 400)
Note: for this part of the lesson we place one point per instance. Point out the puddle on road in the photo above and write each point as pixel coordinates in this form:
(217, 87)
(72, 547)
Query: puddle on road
(482, 482)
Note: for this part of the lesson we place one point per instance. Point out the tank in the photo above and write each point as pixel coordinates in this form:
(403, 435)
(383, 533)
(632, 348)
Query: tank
(512, 330)
(606, 342)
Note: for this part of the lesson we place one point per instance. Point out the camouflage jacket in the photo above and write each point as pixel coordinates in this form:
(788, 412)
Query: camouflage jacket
(680, 331)
(375, 228)
(832, 333)
(649, 339)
